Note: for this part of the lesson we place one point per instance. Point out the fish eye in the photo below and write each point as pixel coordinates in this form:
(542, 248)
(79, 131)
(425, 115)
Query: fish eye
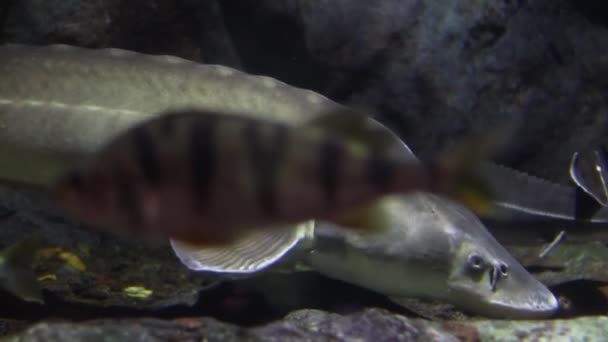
(476, 262)
(503, 269)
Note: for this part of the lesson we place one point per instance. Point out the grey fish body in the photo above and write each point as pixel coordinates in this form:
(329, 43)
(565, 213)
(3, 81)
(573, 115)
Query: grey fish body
(59, 103)
(426, 252)
(47, 93)
(522, 197)
(532, 211)
(101, 93)
(430, 255)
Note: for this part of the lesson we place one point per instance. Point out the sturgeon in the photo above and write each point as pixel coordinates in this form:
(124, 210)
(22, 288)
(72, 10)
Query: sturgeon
(59, 104)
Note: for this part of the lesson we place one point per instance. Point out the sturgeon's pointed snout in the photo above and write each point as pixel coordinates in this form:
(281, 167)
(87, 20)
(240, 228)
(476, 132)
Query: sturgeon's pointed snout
(510, 299)
(520, 295)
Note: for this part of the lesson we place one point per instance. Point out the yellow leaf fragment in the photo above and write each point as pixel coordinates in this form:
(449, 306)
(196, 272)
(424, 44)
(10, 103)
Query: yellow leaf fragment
(46, 277)
(73, 260)
(137, 291)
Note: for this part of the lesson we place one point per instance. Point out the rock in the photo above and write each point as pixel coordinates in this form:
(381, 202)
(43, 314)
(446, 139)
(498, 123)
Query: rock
(12, 326)
(316, 325)
(82, 266)
(592, 328)
(575, 272)
(189, 29)
(567, 262)
(370, 324)
(304, 325)
(435, 71)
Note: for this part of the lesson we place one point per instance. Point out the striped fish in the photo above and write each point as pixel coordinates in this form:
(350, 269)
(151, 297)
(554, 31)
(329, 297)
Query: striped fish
(203, 176)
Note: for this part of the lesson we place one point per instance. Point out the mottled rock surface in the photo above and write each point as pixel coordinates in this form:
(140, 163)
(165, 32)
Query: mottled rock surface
(82, 266)
(305, 325)
(437, 70)
(315, 325)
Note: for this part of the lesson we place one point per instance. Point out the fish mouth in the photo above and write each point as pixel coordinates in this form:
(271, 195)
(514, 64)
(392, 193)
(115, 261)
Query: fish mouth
(536, 304)
(529, 305)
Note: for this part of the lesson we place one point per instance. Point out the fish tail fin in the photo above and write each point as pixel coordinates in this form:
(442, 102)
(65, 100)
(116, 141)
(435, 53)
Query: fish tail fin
(457, 173)
(16, 269)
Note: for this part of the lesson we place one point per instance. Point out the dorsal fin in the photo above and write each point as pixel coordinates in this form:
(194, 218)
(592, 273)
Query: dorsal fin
(247, 254)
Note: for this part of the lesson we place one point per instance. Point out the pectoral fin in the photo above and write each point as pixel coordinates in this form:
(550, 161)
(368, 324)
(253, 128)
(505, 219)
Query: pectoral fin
(247, 254)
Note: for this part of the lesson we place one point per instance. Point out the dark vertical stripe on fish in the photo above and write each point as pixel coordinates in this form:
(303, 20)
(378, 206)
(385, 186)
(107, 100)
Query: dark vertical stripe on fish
(266, 160)
(74, 180)
(128, 198)
(202, 151)
(146, 154)
(380, 171)
(167, 125)
(331, 155)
